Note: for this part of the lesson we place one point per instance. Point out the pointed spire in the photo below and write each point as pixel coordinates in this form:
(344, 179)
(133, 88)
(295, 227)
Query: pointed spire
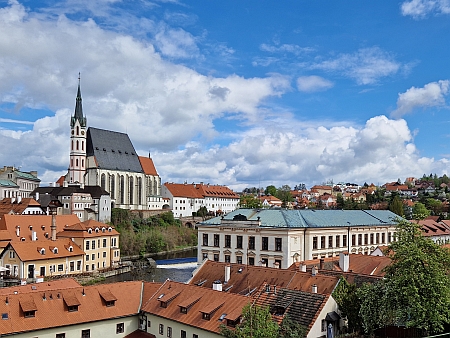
(79, 107)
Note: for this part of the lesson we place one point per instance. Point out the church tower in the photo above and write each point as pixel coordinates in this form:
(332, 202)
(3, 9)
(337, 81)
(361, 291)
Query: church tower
(78, 128)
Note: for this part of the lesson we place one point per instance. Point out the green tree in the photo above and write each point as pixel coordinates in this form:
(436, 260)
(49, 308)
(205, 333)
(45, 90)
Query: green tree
(340, 201)
(284, 194)
(415, 291)
(434, 205)
(291, 329)
(419, 211)
(202, 212)
(396, 206)
(250, 202)
(256, 322)
(346, 296)
(270, 190)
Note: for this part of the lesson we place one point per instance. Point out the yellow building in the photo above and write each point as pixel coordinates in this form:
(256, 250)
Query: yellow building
(31, 259)
(99, 241)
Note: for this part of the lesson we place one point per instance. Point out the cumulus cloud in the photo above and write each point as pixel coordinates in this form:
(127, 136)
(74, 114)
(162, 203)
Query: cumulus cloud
(366, 66)
(313, 83)
(419, 9)
(431, 95)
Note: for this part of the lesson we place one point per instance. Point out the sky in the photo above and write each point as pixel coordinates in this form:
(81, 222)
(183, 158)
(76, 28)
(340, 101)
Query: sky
(240, 93)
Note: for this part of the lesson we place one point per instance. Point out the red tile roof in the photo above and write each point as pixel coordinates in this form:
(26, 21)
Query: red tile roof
(51, 306)
(215, 303)
(200, 190)
(32, 250)
(81, 230)
(148, 166)
(6, 206)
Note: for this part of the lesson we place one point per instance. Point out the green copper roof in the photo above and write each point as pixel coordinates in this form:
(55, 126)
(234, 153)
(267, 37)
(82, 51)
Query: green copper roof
(308, 218)
(8, 183)
(28, 176)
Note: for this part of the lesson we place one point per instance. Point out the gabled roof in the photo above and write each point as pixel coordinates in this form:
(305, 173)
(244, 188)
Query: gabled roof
(52, 306)
(43, 249)
(245, 278)
(183, 190)
(8, 183)
(81, 230)
(147, 166)
(311, 218)
(112, 150)
(214, 303)
(7, 206)
(200, 190)
(65, 283)
(94, 190)
(39, 223)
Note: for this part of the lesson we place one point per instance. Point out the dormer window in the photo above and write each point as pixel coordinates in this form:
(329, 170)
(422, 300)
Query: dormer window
(109, 229)
(29, 314)
(22, 239)
(73, 308)
(89, 231)
(96, 230)
(55, 250)
(42, 251)
(206, 316)
(103, 229)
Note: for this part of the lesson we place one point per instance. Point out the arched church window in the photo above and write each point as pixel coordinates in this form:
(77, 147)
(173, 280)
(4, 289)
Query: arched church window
(72, 146)
(112, 187)
(130, 189)
(78, 130)
(82, 163)
(122, 189)
(139, 192)
(82, 145)
(103, 181)
(76, 163)
(78, 145)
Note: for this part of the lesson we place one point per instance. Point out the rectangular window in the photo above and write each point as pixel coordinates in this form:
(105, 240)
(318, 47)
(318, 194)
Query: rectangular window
(104, 254)
(161, 329)
(238, 242)
(371, 238)
(93, 257)
(78, 265)
(389, 237)
(239, 259)
(183, 334)
(330, 241)
(216, 257)
(366, 239)
(278, 263)
(119, 328)
(205, 255)
(265, 243)
(251, 261)
(251, 243)
(86, 333)
(322, 242)
(216, 240)
(353, 240)
(104, 242)
(227, 241)
(338, 241)
(278, 245)
(227, 259)
(87, 245)
(195, 335)
(60, 267)
(377, 238)
(205, 239)
(383, 238)
(60, 335)
(169, 331)
(72, 266)
(87, 258)
(314, 242)
(360, 239)
(344, 240)
(93, 244)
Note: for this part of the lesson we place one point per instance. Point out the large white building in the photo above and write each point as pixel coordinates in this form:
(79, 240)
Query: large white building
(17, 183)
(109, 160)
(185, 199)
(278, 238)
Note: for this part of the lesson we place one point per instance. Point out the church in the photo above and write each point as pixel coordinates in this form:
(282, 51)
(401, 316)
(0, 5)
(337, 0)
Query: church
(108, 159)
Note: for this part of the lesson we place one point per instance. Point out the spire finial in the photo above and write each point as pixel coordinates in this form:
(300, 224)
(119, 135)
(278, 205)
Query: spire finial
(79, 78)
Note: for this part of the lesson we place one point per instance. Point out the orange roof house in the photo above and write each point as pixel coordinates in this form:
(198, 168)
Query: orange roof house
(148, 166)
(20, 206)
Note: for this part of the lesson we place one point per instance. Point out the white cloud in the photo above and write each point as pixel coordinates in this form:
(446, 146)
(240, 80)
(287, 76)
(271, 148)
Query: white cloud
(421, 8)
(285, 48)
(313, 83)
(366, 66)
(431, 95)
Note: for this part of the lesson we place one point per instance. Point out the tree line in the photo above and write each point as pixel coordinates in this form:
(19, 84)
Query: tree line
(151, 235)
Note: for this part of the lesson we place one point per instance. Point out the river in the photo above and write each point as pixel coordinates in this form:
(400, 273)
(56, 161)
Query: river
(176, 266)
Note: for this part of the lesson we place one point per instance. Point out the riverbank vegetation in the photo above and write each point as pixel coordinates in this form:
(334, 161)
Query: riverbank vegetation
(150, 235)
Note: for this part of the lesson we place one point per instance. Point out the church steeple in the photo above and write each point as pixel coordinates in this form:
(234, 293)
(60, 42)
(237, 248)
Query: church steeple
(78, 133)
(78, 115)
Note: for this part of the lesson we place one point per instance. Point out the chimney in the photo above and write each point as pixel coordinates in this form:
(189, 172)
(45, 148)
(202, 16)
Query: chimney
(314, 270)
(227, 273)
(53, 226)
(314, 288)
(37, 196)
(344, 261)
(217, 285)
(65, 184)
(33, 236)
(19, 199)
(321, 263)
(302, 267)
(13, 200)
(18, 230)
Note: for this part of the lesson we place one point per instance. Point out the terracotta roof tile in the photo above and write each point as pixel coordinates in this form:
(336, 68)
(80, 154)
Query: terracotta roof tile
(200, 190)
(148, 166)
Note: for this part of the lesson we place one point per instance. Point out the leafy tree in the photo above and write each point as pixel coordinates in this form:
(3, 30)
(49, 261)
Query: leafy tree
(415, 291)
(396, 206)
(340, 201)
(202, 212)
(347, 297)
(284, 194)
(434, 205)
(250, 202)
(271, 190)
(419, 211)
(291, 329)
(256, 322)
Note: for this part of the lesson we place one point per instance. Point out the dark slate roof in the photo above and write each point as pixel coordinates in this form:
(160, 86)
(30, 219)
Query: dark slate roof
(78, 115)
(309, 218)
(94, 191)
(112, 150)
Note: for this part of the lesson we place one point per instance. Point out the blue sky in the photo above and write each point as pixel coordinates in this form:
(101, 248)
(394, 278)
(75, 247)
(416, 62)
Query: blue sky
(241, 93)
